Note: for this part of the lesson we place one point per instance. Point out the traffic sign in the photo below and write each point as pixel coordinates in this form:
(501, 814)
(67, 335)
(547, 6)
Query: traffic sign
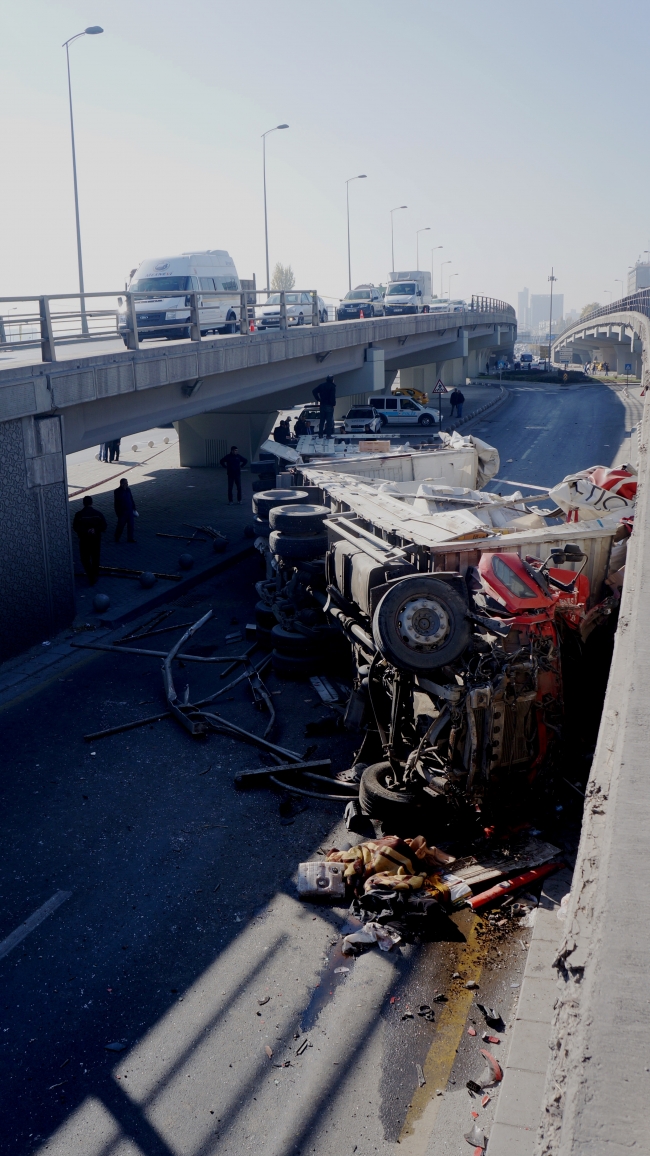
(439, 387)
(501, 364)
(628, 366)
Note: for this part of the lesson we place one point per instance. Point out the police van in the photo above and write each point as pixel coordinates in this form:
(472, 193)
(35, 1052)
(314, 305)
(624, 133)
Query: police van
(165, 311)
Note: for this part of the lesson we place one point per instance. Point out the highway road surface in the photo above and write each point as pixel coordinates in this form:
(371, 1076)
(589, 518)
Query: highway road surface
(175, 933)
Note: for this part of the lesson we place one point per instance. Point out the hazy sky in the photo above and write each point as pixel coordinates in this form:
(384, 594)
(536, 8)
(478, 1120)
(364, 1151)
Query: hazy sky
(515, 129)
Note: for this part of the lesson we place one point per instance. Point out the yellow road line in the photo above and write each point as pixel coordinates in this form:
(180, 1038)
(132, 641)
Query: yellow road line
(421, 1116)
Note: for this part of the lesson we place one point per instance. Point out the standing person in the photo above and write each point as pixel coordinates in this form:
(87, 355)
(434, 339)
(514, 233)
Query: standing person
(89, 524)
(114, 448)
(103, 452)
(124, 506)
(325, 395)
(456, 399)
(300, 428)
(281, 433)
(233, 464)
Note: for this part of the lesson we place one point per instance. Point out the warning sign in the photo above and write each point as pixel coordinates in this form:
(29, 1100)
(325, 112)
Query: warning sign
(439, 387)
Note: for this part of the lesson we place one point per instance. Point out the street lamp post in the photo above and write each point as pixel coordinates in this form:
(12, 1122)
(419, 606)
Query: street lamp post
(442, 265)
(392, 235)
(619, 281)
(266, 223)
(426, 229)
(94, 30)
(361, 177)
(552, 279)
(435, 247)
(451, 276)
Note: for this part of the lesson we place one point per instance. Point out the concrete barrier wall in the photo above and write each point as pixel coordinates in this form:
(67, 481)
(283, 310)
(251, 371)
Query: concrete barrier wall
(598, 1081)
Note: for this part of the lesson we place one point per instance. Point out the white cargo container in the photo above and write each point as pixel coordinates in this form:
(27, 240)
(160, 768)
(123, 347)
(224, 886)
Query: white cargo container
(408, 292)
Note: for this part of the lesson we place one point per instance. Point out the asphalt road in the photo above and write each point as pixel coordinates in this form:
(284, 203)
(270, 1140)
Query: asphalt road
(182, 914)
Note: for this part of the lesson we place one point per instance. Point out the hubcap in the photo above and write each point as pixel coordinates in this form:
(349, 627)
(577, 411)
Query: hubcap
(423, 623)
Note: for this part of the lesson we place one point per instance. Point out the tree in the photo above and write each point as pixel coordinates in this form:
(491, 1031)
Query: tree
(589, 308)
(283, 277)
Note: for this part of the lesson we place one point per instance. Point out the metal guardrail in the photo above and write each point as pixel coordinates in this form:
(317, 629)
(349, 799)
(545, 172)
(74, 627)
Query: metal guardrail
(40, 321)
(638, 302)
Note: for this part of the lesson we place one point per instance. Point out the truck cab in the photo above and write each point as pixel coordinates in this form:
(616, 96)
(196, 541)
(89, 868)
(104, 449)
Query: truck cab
(408, 292)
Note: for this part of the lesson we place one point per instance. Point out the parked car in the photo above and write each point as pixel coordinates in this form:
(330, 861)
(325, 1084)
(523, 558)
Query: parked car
(362, 419)
(310, 413)
(166, 313)
(364, 297)
(400, 410)
(299, 310)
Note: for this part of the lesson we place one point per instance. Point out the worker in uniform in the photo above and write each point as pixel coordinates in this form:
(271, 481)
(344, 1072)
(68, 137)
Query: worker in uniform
(89, 524)
(232, 464)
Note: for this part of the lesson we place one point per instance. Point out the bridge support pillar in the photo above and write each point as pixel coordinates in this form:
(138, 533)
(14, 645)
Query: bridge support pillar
(35, 547)
(204, 440)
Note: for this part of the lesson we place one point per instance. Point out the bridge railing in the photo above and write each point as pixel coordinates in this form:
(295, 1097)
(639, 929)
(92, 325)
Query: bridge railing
(638, 302)
(63, 319)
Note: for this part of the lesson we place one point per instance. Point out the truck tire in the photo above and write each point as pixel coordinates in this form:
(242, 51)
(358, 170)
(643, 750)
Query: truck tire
(377, 801)
(290, 641)
(421, 623)
(297, 548)
(264, 616)
(265, 500)
(298, 519)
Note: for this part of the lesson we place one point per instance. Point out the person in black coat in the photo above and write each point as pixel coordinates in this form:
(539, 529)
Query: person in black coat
(232, 464)
(124, 506)
(325, 395)
(89, 524)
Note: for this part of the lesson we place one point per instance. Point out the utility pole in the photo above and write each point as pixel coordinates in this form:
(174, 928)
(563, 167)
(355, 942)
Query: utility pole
(550, 319)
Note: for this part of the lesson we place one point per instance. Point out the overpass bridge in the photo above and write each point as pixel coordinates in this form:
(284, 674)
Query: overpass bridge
(618, 334)
(67, 390)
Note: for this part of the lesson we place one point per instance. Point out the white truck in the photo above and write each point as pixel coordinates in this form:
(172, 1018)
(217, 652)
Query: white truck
(168, 280)
(408, 292)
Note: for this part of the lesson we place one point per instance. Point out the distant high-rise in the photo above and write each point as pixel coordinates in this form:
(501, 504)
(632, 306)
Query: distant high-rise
(523, 310)
(540, 305)
(639, 277)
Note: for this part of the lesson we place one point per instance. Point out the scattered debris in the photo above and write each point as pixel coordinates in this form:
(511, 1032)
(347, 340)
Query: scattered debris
(472, 1086)
(493, 1073)
(507, 885)
(340, 970)
(421, 1079)
(471, 984)
(492, 1017)
(386, 938)
(485, 1100)
(426, 1012)
(408, 1015)
(268, 1050)
(265, 999)
(489, 1039)
(118, 1046)
(318, 879)
(471, 1031)
(302, 1047)
(475, 1137)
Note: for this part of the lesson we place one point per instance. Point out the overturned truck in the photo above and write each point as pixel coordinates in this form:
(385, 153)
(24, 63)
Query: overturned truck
(465, 613)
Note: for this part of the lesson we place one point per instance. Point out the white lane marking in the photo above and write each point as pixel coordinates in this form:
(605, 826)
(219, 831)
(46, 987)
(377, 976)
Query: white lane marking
(34, 920)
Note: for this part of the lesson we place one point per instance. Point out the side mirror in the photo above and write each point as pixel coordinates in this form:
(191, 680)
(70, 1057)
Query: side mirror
(573, 552)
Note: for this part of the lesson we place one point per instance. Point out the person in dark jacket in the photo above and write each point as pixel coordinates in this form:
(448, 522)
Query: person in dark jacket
(233, 464)
(456, 400)
(325, 395)
(300, 428)
(114, 450)
(89, 524)
(282, 433)
(124, 506)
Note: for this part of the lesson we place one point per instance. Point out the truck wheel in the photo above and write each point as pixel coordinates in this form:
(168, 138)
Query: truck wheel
(378, 801)
(296, 548)
(425, 419)
(264, 616)
(421, 623)
(265, 500)
(295, 665)
(299, 519)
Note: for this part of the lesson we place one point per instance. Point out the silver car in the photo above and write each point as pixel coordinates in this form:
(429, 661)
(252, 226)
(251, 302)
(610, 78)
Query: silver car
(299, 310)
(362, 419)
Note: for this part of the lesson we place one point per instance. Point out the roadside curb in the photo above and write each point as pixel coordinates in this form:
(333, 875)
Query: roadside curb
(504, 394)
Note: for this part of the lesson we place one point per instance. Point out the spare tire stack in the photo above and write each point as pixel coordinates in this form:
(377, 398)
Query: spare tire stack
(297, 532)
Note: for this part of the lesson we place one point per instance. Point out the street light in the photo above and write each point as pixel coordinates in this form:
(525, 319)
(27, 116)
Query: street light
(266, 224)
(442, 264)
(435, 247)
(361, 177)
(619, 281)
(552, 279)
(392, 235)
(426, 229)
(94, 30)
(452, 275)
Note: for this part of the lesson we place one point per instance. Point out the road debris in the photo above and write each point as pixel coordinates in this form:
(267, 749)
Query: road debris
(117, 1046)
(493, 1073)
(427, 1012)
(490, 1039)
(265, 999)
(421, 1079)
(268, 1050)
(475, 1137)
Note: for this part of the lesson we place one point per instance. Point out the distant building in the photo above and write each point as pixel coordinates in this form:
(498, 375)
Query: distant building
(639, 277)
(523, 310)
(540, 306)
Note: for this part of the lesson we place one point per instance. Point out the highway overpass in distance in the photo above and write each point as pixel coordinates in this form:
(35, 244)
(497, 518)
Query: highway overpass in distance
(618, 334)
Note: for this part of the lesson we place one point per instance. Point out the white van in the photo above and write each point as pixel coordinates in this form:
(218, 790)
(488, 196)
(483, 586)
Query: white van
(166, 313)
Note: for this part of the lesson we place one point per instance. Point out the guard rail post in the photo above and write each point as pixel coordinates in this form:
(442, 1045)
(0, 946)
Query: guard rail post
(283, 309)
(243, 312)
(48, 350)
(315, 312)
(132, 339)
(195, 317)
